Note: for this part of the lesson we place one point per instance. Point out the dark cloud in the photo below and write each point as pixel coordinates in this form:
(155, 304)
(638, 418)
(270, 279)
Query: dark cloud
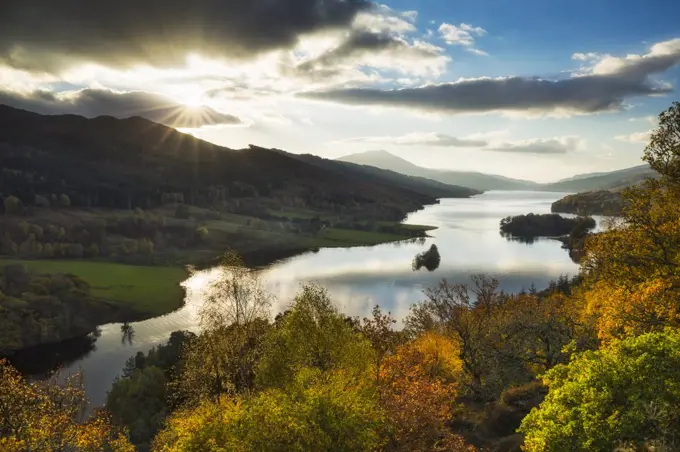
(586, 94)
(604, 88)
(362, 42)
(48, 34)
(98, 102)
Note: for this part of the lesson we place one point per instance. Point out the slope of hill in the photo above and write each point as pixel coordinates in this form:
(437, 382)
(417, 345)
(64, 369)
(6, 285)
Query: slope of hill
(108, 162)
(420, 184)
(603, 181)
(475, 180)
(480, 181)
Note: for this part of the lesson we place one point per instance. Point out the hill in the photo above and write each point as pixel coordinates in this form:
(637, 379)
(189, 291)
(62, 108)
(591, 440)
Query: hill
(475, 180)
(480, 181)
(128, 163)
(602, 181)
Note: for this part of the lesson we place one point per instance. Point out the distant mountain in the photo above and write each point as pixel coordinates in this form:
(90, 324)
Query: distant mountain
(126, 163)
(420, 184)
(603, 181)
(475, 180)
(480, 181)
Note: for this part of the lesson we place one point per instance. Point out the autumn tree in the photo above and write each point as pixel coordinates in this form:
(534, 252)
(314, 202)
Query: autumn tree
(634, 268)
(45, 417)
(623, 397)
(418, 393)
(378, 330)
(316, 411)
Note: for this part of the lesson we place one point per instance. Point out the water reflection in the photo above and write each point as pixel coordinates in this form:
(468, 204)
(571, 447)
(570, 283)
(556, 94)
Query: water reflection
(359, 278)
(127, 334)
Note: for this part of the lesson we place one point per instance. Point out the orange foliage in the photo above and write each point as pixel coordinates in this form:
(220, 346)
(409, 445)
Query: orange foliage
(418, 392)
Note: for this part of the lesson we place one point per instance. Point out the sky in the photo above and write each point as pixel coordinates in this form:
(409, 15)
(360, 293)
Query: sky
(531, 89)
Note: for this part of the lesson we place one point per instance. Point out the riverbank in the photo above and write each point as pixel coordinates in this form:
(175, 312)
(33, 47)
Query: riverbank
(130, 293)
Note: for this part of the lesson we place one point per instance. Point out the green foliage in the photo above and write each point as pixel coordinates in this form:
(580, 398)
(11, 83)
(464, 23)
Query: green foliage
(313, 334)
(140, 400)
(64, 201)
(183, 212)
(663, 151)
(546, 225)
(41, 201)
(13, 205)
(201, 234)
(623, 396)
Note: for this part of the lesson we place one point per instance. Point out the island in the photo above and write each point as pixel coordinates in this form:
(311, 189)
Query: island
(545, 225)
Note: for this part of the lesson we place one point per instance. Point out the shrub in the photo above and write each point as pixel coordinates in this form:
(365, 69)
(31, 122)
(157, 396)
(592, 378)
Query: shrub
(13, 205)
(183, 212)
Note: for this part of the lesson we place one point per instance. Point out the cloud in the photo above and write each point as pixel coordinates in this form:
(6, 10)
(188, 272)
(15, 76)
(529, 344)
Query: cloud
(637, 137)
(98, 102)
(48, 35)
(557, 145)
(422, 139)
(378, 50)
(486, 142)
(604, 88)
(379, 39)
(462, 35)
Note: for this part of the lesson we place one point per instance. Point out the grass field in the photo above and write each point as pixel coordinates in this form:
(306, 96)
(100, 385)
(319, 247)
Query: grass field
(349, 237)
(149, 291)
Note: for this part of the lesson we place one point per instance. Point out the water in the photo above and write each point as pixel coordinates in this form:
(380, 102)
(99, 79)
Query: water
(469, 242)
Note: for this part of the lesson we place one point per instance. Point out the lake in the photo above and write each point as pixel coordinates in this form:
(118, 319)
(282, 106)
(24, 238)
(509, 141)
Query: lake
(468, 239)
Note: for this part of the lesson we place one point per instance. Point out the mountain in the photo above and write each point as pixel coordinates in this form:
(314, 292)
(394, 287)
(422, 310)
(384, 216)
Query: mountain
(126, 163)
(603, 181)
(480, 181)
(475, 180)
(421, 184)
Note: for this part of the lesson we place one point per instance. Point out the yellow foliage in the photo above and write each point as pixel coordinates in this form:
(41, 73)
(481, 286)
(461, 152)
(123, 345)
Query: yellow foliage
(43, 416)
(634, 268)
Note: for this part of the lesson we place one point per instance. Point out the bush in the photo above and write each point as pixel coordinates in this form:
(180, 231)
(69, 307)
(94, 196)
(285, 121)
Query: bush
(13, 205)
(183, 212)
(41, 201)
(92, 250)
(201, 234)
(64, 201)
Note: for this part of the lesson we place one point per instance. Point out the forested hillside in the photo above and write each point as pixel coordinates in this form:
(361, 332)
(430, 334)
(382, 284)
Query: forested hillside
(588, 364)
(129, 163)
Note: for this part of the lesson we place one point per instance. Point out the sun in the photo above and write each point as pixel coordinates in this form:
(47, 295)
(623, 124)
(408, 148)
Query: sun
(193, 102)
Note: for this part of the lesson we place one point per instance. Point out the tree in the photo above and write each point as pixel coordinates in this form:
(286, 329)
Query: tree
(315, 412)
(64, 201)
(13, 205)
(634, 267)
(41, 201)
(313, 334)
(663, 151)
(234, 320)
(417, 392)
(378, 330)
(624, 397)
(183, 212)
(45, 416)
(236, 296)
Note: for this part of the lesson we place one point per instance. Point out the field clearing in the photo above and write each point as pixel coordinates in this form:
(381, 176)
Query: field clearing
(148, 290)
